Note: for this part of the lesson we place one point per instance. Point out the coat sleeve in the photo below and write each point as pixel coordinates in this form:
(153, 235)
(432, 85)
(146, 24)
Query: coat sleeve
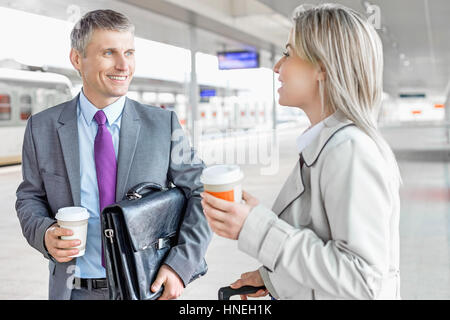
(194, 236)
(353, 263)
(31, 200)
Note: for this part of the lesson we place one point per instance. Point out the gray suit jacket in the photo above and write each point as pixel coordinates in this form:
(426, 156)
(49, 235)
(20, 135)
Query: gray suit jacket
(151, 144)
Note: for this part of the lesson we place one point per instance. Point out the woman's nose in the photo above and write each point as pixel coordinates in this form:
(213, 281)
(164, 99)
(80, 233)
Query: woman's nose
(276, 67)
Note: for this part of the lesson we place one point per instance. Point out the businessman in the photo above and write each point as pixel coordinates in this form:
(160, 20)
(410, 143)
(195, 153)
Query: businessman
(89, 151)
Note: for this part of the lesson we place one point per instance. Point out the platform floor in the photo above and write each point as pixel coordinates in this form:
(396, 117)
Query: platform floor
(424, 231)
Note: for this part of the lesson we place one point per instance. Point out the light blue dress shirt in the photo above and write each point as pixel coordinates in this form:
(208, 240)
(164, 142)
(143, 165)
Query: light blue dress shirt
(90, 265)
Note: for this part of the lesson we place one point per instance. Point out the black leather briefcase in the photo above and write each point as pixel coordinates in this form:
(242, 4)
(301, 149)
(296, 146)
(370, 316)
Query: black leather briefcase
(137, 234)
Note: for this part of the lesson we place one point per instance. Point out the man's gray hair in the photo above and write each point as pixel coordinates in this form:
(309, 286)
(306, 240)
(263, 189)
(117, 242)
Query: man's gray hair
(97, 19)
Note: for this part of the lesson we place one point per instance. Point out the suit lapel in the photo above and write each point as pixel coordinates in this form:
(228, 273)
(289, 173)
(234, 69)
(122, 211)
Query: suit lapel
(129, 133)
(68, 137)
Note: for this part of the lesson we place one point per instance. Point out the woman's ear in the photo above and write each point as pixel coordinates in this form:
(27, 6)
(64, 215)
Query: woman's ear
(321, 74)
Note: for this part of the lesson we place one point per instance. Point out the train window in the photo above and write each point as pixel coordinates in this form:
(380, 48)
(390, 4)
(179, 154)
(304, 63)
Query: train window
(5, 107)
(25, 106)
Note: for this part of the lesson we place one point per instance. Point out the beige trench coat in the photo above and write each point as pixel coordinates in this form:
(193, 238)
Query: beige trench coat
(333, 231)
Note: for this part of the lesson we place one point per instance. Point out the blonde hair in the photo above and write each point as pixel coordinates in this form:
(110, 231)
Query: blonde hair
(341, 42)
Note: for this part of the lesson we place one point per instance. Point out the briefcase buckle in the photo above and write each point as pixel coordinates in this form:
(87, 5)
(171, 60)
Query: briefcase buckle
(133, 196)
(160, 244)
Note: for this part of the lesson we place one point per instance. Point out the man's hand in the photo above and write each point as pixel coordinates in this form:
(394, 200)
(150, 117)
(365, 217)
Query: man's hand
(173, 285)
(60, 249)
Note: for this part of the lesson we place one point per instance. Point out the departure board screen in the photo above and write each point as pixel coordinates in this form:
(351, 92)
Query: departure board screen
(238, 60)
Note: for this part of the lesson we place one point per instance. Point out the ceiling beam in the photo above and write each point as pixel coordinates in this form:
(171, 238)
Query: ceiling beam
(189, 17)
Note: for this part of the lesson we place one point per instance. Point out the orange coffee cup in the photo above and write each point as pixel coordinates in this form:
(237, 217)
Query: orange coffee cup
(223, 181)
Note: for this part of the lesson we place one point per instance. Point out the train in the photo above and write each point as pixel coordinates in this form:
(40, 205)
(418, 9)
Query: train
(23, 93)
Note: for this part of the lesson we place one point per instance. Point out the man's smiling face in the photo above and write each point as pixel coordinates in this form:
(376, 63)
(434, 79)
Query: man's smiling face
(107, 66)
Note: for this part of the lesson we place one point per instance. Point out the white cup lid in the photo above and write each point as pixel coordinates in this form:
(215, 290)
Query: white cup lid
(221, 174)
(72, 214)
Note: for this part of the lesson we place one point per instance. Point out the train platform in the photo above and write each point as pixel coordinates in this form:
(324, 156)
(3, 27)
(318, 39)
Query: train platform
(419, 141)
(424, 224)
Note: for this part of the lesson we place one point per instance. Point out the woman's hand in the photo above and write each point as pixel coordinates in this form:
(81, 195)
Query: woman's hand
(252, 278)
(226, 218)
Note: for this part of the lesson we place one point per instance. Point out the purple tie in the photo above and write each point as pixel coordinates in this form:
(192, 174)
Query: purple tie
(105, 165)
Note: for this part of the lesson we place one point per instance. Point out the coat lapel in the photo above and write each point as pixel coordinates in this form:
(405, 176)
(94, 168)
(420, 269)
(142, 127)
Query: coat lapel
(292, 189)
(294, 185)
(129, 133)
(68, 137)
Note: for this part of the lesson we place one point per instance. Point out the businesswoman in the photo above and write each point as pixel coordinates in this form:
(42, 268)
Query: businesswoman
(333, 231)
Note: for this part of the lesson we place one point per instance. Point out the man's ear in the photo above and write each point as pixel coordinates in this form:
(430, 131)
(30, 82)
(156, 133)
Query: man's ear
(75, 59)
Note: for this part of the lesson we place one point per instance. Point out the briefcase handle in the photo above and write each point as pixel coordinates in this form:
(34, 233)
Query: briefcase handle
(136, 191)
(226, 292)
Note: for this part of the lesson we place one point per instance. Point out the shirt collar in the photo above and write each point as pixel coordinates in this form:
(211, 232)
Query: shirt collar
(112, 112)
(308, 135)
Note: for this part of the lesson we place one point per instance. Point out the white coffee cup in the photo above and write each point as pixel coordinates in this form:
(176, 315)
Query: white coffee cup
(75, 219)
(223, 181)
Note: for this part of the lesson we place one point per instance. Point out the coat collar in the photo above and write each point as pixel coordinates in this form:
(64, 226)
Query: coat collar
(294, 186)
(332, 124)
(69, 111)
